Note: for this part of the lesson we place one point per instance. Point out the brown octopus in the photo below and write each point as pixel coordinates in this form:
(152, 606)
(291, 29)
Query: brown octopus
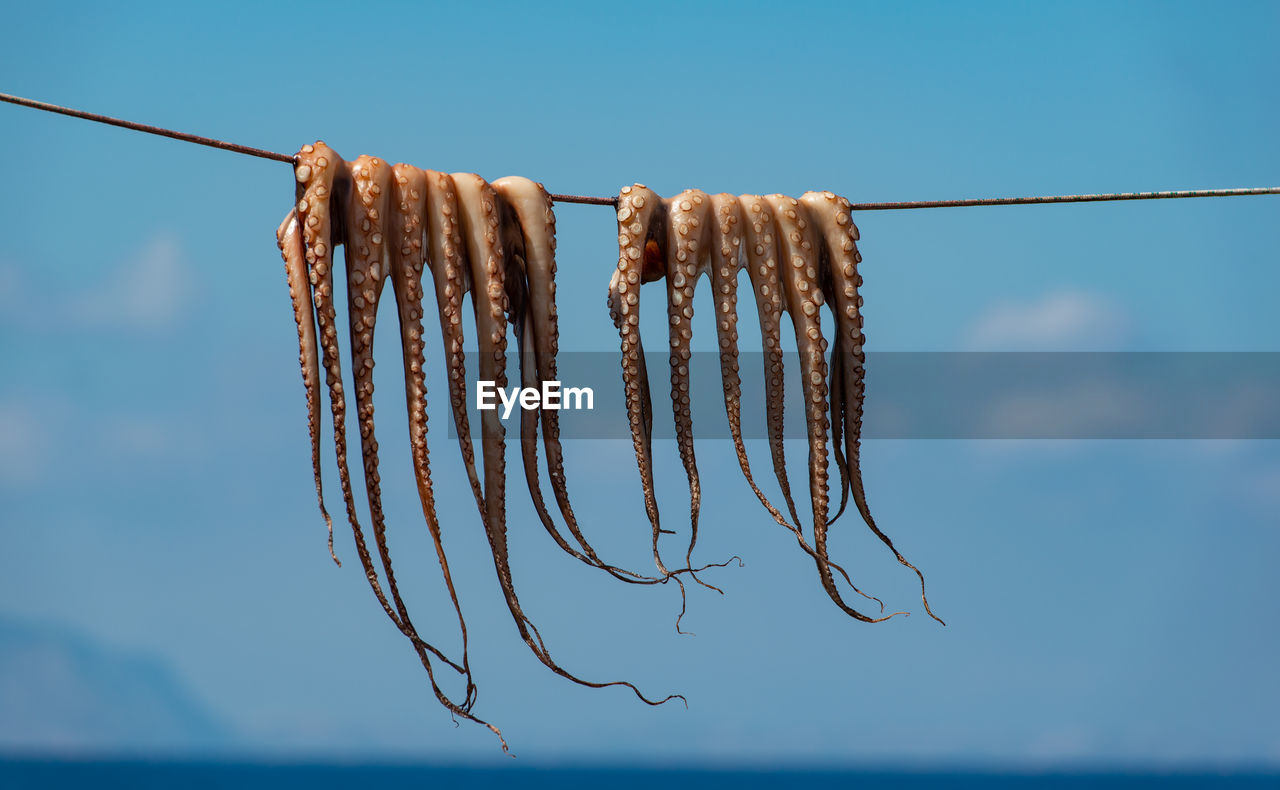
(495, 241)
(799, 255)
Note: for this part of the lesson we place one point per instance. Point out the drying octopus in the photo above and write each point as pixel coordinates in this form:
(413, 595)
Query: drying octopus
(799, 255)
(457, 235)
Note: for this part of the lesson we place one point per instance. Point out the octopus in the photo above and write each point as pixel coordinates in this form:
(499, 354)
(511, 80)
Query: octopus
(459, 235)
(456, 234)
(799, 255)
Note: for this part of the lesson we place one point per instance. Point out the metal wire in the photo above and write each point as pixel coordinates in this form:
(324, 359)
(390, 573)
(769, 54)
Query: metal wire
(1015, 201)
(142, 127)
(610, 201)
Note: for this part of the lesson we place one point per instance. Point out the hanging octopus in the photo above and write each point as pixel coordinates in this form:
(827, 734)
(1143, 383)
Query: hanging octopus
(799, 255)
(461, 235)
(399, 224)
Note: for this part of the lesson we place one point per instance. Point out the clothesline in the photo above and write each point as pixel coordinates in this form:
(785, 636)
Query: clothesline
(610, 201)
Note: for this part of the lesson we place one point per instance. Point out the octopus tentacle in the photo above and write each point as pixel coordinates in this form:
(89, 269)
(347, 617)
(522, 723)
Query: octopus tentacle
(323, 175)
(446, 257)
(368, 269)
(839, 425)
(761, 238)
(519, 248)
(529, 226)
(480, 220)
(527, 207)
(727, 242)
(326, 183)
(641, 220)
(409, 198)
(835, 389)
(519, 307)
(839, 234)
(746, 234)
(289, 240)
(478, 214)
(689, 227)
(798, 247)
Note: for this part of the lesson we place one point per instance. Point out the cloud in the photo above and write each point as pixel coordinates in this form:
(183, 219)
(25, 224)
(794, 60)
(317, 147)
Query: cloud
(1262, 486)
(136, 436)
(1060, 745)
(1086, 409)
(1060, 321)
(23, 445)
(10, 286)
(150, 291)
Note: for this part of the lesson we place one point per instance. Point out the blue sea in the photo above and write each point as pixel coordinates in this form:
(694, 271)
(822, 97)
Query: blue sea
(20, 774)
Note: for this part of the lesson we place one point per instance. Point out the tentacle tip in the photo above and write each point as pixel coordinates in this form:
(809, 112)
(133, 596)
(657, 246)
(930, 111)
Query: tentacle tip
(498, 733)
(705, 584)
(886, 618)
(680, 617)
(691, 571)
(680, 630)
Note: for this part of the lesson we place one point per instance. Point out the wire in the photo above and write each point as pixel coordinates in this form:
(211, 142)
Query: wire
(586, 199)
(142, 127)
(609, 201)
(1015, 201)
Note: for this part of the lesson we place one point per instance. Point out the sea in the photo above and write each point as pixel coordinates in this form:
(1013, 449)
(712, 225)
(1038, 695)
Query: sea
(20, 774)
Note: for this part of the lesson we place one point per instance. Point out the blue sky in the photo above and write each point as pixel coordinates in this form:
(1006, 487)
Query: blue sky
(1109, 602)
